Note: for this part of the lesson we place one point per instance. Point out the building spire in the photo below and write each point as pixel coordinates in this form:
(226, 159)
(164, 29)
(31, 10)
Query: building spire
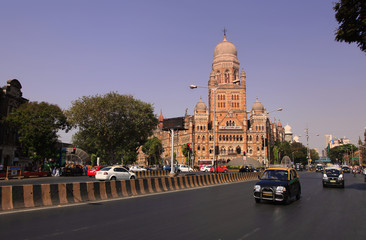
(225, 30)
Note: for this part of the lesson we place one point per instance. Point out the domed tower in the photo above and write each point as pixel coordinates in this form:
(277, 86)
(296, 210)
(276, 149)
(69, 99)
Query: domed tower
(288, 133)
(227, 101)
(201, 133)
(259, 129)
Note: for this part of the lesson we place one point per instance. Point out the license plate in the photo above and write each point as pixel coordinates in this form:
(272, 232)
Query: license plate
(267, 194)
(333, 181)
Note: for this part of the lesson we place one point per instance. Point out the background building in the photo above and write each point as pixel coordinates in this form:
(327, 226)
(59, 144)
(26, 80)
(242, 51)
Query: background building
(10, 99)
(225, 118)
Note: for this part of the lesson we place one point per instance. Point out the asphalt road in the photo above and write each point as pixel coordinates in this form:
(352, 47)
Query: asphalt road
(217, 212)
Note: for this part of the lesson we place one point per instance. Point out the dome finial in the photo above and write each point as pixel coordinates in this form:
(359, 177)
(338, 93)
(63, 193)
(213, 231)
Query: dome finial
(225, 30)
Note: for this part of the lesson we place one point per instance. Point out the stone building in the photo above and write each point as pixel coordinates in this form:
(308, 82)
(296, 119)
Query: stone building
(10, 99)
(225, 117)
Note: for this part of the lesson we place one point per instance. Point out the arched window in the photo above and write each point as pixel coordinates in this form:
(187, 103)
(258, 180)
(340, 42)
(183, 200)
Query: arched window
(219, 138)
(218, 76)
(198, 147)
(227, 76)
(203, 148)
(241, 138)
(257, 139)
(231, 138)
(203, 138)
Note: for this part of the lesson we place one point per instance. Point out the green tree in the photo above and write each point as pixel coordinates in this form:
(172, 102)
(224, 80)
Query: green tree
(351, 15)
(187, 152)
(112, 125)
(299, 153)
(338, 154)
(37, 125)
(153, 148)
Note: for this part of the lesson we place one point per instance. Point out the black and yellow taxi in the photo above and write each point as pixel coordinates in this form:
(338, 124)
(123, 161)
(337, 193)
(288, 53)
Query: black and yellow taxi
(278, 184)
(333, 176)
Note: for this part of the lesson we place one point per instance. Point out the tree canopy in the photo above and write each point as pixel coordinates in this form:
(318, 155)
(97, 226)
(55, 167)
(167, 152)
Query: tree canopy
(295, 150)
(351, 15)
(341, 153)
(112, 125)
(153, 148)
(37, 125)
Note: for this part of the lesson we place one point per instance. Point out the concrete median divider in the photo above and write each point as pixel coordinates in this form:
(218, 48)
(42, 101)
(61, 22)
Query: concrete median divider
(43, 195)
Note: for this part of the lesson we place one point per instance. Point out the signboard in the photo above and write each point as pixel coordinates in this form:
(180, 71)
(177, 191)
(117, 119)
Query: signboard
(173, 123)
(230, 127)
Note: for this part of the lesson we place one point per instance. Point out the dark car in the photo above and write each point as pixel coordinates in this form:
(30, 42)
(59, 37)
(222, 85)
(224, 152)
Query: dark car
(346, 169)
(248, 168)
(333, 176)
(73, 170)
(278, 184)
(319, 168)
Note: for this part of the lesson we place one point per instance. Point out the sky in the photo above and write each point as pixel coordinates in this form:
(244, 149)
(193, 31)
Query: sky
(61, 50)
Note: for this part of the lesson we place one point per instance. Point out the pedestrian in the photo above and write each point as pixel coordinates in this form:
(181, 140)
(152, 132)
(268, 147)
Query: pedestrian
(85, 170)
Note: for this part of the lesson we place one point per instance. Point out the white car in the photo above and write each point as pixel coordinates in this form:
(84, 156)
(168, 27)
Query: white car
(184, 168)
(205, 168)
(137, 169)
(114, 173)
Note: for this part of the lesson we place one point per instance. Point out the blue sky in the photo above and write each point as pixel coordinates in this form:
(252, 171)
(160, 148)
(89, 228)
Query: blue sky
(153, 50)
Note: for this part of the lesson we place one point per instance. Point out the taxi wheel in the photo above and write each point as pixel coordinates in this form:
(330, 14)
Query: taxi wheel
(257, 200)
(298, 196)
(113, 178)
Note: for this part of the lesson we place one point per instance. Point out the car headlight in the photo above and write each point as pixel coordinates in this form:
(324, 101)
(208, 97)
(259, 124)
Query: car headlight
(340, 177)
(280, 189)
(325, 176)
(257, 188)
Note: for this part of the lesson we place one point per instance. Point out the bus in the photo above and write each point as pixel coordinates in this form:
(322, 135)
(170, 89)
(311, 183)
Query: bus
(210, 162)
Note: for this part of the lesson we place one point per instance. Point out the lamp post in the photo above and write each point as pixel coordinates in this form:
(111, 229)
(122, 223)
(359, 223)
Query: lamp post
(307, 146)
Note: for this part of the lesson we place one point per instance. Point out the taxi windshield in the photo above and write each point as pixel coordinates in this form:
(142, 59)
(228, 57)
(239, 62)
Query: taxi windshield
(281, 175)
(332, 171)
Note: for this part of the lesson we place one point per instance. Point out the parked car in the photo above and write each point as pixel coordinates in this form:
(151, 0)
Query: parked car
(219, 169)
(114, 173)
(278, 185)
(184, 168)
(168, 168)
(137, 169)
(92, 171)
(73, 170)
(248, 168)
(206, 168)
(333, 176)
